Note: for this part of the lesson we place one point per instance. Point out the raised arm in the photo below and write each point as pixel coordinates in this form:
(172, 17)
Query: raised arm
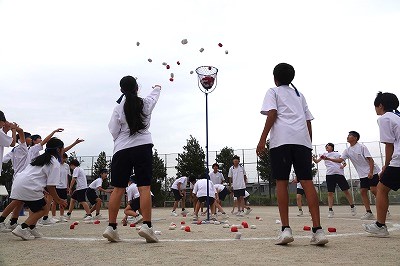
(46, 139)
(77, 141)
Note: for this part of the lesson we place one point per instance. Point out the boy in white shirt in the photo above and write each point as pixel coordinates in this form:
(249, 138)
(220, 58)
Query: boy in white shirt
(335, 176)
(216, 176)
(200, 190)
(29, 186)
(289, 121)
(220, 192)
(92, 195)
(238, 179)
(365, 166)
(79, 194)
(386, 105)
(179, 190)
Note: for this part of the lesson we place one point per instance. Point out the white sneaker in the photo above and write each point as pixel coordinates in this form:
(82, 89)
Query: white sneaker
(4, 228)
(195, 218)
(35, 232)
(137, 219)
(111, 234)
(388, 215)
(300, 213)
(68, 217)
(368, 216)
(330, 214)
(48, 221)
(11, 227)
(148, 234)
(376, 230)
(25, 234)
(63, 219)
(54, 220)
(285, 237)
(185, 212)
(248, 211)
(225, 216)
(241, 214)
(87, 218)
(173, 213)
(99, 216)
(319, 238)
(353, 211)
(213, 217)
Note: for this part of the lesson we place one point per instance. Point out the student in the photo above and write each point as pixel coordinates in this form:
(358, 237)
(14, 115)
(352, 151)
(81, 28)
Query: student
(92, 195)
(62, 188)
(238, 179)
(386, 106)
(289, 121)
(79, 195)
(18, 155)
(365, 166)
(133, 196)
(299, 196)
(29, 186)
(129, 126)
(335, 176)
(200, 190)
(246, 204)
(221, 193)
(179, 190)
(215, 175)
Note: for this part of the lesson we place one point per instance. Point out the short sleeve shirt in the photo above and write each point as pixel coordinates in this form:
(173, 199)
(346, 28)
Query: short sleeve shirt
(389, 130)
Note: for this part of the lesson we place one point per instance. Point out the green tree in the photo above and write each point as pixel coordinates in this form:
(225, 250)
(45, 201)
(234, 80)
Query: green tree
(7, 175)
(191, 162)
(101, 163)
(224, 159)
(159, 175)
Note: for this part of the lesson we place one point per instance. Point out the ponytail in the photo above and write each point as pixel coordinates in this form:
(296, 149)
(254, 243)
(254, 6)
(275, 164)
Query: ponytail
(51, 150)
(397, 112)
(297, 92)
(133, 106)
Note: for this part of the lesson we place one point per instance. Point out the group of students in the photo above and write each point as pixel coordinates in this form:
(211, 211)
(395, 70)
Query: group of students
(288, 125)
(218, 190)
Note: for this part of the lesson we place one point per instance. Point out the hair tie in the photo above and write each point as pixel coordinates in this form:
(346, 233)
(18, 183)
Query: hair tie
(120, 98)
(397, 112)
(297, 92)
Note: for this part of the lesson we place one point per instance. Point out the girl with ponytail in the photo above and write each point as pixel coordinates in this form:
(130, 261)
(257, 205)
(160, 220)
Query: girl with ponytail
(386, 106)
(133, 144)
(29, 185)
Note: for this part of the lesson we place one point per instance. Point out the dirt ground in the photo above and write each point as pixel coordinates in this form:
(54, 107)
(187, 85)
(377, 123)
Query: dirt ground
(208, 244)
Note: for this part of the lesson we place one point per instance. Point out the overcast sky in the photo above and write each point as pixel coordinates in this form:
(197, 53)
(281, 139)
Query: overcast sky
(61, 62)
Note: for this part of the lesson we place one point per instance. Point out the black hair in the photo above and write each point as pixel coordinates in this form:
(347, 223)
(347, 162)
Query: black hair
(102, 171)
(389, 101)
(192, 179)
(215, 164)
(51, 150)
(2, 117)
(35, 137)
(65, 155)
(74, 162)
(27, 135)
(284, 73)
(236, 157)
(331, 144)
(355, 134)
(133, 106)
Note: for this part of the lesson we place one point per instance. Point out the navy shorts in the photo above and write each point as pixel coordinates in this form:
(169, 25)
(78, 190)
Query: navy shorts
(223, 193)
(135, 203)
(391, 177)
(62, 193)
(300, 191)
(177, 194)
(204, 200)
(138, 159)
(239, 192)
(79, 195)
(340, 180)
(286, 156)
(91, 195)
(36, 205)
(367, 183)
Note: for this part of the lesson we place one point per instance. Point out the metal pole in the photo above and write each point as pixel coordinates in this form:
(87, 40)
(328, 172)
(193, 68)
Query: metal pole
(207, 170)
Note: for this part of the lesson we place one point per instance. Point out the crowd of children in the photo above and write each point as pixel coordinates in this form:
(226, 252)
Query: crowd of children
(41, 182)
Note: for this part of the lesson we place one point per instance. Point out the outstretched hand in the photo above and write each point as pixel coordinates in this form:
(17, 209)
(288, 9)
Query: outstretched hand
(157, 86)
(77, 141)
(58, 130)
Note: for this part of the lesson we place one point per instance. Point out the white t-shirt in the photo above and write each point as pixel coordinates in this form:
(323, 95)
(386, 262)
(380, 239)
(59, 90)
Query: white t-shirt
(358, 155)
(218, 187)
(30, 183)
(246, 194)
(33, 152)
(182, 180)
(200, 188)
(132, 192)
(18, 157)
(389, 128)
(298, 185)
(5, 141)
(333, 168)
(216, 178)
(96, 183)
(119, 128)
(290, 126)
(79, 174)
(64, 172)
(237, 174)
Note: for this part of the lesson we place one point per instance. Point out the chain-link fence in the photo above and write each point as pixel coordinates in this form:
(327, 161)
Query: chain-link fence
(260, 190)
